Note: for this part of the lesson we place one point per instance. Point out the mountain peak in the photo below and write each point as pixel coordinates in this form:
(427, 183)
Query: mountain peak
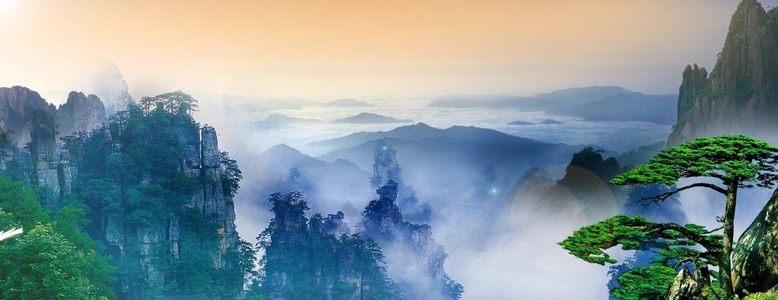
(283, 148)
(80, 113)
(369, 118)
(737, 97)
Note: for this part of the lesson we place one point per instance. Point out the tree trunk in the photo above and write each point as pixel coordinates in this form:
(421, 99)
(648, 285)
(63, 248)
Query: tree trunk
(725, 268)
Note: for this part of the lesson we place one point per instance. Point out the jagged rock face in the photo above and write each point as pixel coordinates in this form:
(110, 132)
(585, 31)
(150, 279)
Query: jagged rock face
(26, 113)
(154, 243)
(33, 123)
(686, 286)
(695, 85)
(739, 95)
(385, 166)
(755, 256)
(110, 86)
(150, 245)
(80, 113)
(383, 215)
(210, 199)
(414, 260)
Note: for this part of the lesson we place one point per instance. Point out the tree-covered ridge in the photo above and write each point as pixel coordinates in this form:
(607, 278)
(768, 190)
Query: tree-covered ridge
(160, 194)
(153, 190)
(304, 259)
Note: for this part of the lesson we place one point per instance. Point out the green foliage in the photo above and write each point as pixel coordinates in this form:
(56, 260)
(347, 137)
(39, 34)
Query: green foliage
(135, 176)
(22, 202)
(762, 296)
(174, 102)
(588, 242)
(132, 176)
(43, 263)
(638, 233)
(733, 158)
(302, 261)
(143, 174)
(737, 161)
(651, 282)
(743, 90)
(673, 244)
(231, 174)
(247, 257)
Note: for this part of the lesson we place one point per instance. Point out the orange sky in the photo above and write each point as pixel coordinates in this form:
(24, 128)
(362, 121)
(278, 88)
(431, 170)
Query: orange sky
(358, 48)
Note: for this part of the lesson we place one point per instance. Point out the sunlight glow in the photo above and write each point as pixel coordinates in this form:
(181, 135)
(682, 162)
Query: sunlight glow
(6, 6)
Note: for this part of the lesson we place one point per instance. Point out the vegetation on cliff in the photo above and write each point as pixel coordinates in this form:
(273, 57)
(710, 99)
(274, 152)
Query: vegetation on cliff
(734, 161)
(737, 96)
(145, 185)
(306, 259)
(149, 187)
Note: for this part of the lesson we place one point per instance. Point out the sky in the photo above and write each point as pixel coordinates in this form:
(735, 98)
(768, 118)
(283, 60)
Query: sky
(363, 49)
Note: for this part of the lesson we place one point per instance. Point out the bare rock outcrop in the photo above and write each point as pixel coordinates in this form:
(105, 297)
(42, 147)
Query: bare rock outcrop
(686, 286)
(80, 113)
(110, 86)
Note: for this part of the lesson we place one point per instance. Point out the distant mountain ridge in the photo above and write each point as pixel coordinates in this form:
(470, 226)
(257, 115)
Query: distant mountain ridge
(419, 132)
(279, 121)
(595, 103)
(369, 118)
(581, 95)
(625, 107)
(434, 149)
(347, 103)
(467, 172)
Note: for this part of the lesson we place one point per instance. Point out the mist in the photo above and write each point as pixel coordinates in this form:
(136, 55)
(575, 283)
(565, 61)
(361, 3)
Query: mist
(490, 191)
(500, 225)
(498, 213)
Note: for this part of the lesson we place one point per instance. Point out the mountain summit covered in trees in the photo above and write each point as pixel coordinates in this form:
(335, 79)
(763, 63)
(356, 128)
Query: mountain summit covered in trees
(148, 185)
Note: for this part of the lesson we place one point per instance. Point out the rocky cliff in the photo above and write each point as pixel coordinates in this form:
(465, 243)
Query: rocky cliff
(110, 86)
(414, 260)
(26, 114)
(33, 155)
(739, 95)
(159, 240)
(80, 113)
(154, 183)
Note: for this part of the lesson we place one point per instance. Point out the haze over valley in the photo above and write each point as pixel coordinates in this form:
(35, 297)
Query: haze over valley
(406, 150)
